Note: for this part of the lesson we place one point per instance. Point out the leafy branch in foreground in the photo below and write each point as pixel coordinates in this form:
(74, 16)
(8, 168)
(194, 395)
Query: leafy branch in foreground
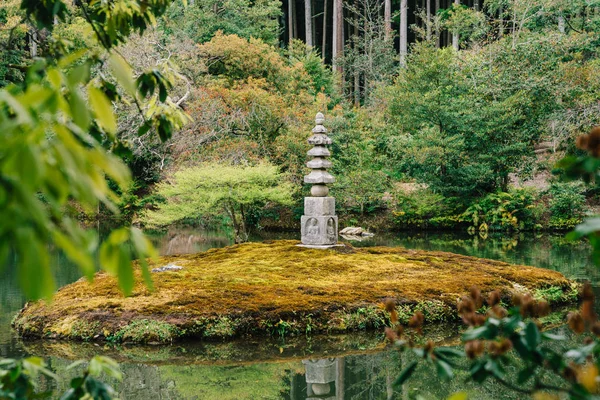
(60, 146)
(503, 339)
(18, 379)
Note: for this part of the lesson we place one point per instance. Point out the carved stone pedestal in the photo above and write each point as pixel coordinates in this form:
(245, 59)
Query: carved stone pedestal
(319, 224)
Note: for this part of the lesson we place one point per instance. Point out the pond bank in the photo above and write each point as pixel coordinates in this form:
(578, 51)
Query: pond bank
(280, 289)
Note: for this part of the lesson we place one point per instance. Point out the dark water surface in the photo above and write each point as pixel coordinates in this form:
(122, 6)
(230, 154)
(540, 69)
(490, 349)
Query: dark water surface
(336, 367)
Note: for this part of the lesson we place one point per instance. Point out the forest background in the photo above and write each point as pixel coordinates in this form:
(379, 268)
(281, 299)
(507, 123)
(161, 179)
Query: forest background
(443, 115)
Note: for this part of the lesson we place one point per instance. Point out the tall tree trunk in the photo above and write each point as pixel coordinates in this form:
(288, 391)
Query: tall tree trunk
(308, 31)
(561, 22)
(387, 17)
(428, 5)
(33, 42)
(403, 32)
(290, 21)
(438, 40)
(338, 33)
(324, 43)
(356, 71)
(501, 21)
(455, 43)
(294, 19)
(476, 5)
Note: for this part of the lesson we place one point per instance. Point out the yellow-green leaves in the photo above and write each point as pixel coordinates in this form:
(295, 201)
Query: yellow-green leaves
(103, 110)
(119, 249)
(81, 114)
(123, 73)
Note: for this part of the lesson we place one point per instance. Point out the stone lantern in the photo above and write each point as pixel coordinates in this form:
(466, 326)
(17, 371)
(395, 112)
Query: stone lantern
(320, 379)
(319, 224)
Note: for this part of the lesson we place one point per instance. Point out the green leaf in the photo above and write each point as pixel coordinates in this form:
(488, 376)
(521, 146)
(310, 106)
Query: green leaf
(78, 255)
(79, 110)
(35, 277)
(79, 74)
(532, 335)
(476, 333)
(123, 72)
(525, 375)
(590, 225)
(444, 370)
(405, 374)
(103, 110)
(125, 271)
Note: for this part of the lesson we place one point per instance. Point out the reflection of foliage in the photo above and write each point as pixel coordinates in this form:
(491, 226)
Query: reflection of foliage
(258, 381)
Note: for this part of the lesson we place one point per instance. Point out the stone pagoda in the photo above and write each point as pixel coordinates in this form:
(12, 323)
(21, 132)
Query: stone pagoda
(319, 222)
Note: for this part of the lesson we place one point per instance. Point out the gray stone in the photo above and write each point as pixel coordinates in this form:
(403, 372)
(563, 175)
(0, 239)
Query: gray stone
(319, 176)
(355, 231)
(319, 206)
(319, 163)
(319, 191)
(319, 139)
(319, 152)
(319, 230)
(168, 267)
(319, 222)
(320, 371)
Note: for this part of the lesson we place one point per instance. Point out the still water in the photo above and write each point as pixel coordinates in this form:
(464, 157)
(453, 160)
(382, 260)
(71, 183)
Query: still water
(333, 367)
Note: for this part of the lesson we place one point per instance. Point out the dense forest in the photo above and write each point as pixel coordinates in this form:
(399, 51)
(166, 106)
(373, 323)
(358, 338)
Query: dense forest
(443, 114)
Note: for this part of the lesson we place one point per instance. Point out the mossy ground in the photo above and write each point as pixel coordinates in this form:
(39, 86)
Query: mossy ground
(280, 289)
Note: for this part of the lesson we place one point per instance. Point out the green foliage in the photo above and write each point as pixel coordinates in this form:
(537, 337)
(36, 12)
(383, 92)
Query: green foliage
(147, 331)
(567, 200)
(320, 74)
(55, 132)
(503, 211)
(501, 345)
(419, 208)
(461, 140)
(243, 18)
(18, 379)
(216, 189)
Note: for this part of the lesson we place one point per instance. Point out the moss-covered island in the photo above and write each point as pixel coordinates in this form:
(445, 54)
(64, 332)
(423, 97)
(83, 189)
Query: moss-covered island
(278, 288)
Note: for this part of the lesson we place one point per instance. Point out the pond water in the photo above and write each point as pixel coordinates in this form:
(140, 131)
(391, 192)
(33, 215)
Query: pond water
(332, 367)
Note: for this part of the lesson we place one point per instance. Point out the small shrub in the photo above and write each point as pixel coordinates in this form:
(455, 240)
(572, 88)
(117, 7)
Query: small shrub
(147, 331)
(514, 210)
(567, 201)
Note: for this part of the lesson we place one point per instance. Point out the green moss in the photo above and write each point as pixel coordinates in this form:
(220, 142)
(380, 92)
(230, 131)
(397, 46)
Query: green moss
(558, 294)
(147, 331)
(84, 330)
(364, 318)
(221, 327)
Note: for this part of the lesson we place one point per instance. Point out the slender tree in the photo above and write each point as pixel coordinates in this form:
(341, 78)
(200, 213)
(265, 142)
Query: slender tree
(338, 33)
(438, 39)
(403, 32)
(387, 17)
(455, 32)
(324, 43)
(428, 24)
(290, 20)
(308, 30)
